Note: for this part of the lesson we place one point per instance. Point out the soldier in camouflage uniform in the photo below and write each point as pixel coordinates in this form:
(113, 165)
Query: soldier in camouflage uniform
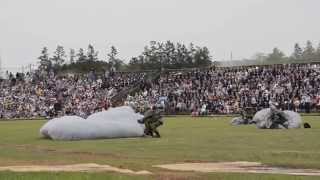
(152, 120)
(278, 118)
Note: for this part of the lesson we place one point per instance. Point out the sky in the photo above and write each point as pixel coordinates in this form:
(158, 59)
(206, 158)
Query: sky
(243, 27)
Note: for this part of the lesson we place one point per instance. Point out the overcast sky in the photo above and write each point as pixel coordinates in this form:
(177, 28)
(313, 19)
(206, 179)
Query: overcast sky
(244, 27)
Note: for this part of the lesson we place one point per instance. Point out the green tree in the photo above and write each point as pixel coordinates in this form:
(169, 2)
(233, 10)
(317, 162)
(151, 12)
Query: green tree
(92, 55)
(202, 57)
(297, 54)
(134, 64)
(308, 52)
(152, 55)
(81, 56)
(45, 63)
(189, 54)
(59, 56)
(170, 55)
(114, 62)
(276, 55)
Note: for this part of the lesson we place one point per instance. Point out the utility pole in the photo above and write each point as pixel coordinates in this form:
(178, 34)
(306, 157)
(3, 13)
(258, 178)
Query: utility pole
(231, 56)
(30, 68)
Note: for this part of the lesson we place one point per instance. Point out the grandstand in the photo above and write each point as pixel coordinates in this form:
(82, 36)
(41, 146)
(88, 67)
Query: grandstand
(214, 90)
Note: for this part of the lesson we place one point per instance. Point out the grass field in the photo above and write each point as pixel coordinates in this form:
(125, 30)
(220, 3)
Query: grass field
(184, 139)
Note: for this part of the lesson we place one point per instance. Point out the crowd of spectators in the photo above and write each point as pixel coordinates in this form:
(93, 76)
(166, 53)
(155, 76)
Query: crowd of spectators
(197, 92)
(226, 90)
(34, 95)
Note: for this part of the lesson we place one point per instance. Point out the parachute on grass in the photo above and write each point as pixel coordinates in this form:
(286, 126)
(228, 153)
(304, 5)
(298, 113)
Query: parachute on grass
(120, 122)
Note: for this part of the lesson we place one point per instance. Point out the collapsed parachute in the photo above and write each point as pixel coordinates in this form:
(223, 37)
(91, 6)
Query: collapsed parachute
(120, 122)
(240, 121)
(263, 120)
(247, 114)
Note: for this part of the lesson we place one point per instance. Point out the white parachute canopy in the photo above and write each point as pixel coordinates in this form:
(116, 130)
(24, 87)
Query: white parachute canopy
(263, 118)
(120, 122)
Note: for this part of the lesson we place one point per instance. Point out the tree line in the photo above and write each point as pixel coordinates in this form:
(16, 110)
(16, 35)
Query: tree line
(156, 55)
(308, 53)
(171, 55)
(77, 61)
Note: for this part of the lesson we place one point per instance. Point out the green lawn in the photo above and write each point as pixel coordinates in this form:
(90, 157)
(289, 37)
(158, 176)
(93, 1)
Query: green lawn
(183, 139)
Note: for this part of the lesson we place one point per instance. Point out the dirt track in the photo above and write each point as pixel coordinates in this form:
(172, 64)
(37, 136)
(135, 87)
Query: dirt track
(72, 168)
(238, 167)
(225, 167)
